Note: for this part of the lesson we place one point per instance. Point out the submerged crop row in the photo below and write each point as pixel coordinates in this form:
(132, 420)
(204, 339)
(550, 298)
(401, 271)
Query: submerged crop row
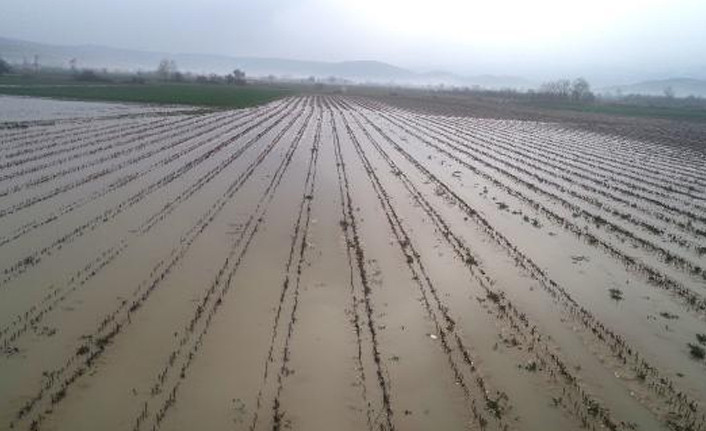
(331, 262)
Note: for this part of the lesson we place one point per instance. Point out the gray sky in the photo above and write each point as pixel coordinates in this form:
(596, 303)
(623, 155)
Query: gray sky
(512, 37)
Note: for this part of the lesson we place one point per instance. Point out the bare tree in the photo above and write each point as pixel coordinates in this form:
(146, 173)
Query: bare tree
(558, 89)
(581, 90)
(668, 92)
(172, 68)
(166, 69)
(4, 67)
(238, 77)
(562, 89)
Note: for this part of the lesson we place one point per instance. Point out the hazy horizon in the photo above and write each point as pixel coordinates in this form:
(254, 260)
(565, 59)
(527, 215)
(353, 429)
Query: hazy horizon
(615, 41)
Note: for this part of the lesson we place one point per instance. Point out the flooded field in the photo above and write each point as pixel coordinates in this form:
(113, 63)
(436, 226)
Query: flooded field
(335, 263)
(19, 109)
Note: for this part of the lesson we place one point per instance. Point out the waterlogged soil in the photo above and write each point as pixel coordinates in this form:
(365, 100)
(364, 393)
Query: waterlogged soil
(20, 109)
(680, 133)
(330, 262)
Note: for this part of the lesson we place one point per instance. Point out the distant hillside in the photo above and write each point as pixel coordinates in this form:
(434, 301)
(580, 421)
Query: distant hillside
(99, 57)
(682, 87)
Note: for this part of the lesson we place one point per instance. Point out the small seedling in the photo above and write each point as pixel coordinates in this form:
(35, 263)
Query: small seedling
(599, 221)
(497, 405)
(493, 297)
(531, 366)
(696, 351)
(616, 294)
(593, 408)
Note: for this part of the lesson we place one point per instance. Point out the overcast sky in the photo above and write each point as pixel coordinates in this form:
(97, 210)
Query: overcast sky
(512, 37)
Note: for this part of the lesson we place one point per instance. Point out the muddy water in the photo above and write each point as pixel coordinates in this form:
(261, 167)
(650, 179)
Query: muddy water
(15, 108)
(331, 263)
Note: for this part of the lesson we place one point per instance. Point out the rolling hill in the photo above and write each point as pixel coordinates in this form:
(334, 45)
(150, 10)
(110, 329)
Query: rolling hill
(98, 57)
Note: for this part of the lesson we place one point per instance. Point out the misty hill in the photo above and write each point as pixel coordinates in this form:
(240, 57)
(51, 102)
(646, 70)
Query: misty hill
(485, 81)
(116, 59)
(682, 87)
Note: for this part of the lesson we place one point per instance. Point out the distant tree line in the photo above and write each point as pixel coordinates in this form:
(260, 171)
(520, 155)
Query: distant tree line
(578, 90)
(562, 90)
(666, 100)
(565, 91)
(167, 71)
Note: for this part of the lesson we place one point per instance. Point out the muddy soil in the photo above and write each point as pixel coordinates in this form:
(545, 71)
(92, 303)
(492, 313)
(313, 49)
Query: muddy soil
(337, 262)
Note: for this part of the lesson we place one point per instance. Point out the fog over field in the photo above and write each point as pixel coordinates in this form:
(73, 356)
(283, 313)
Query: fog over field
(609, 42)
